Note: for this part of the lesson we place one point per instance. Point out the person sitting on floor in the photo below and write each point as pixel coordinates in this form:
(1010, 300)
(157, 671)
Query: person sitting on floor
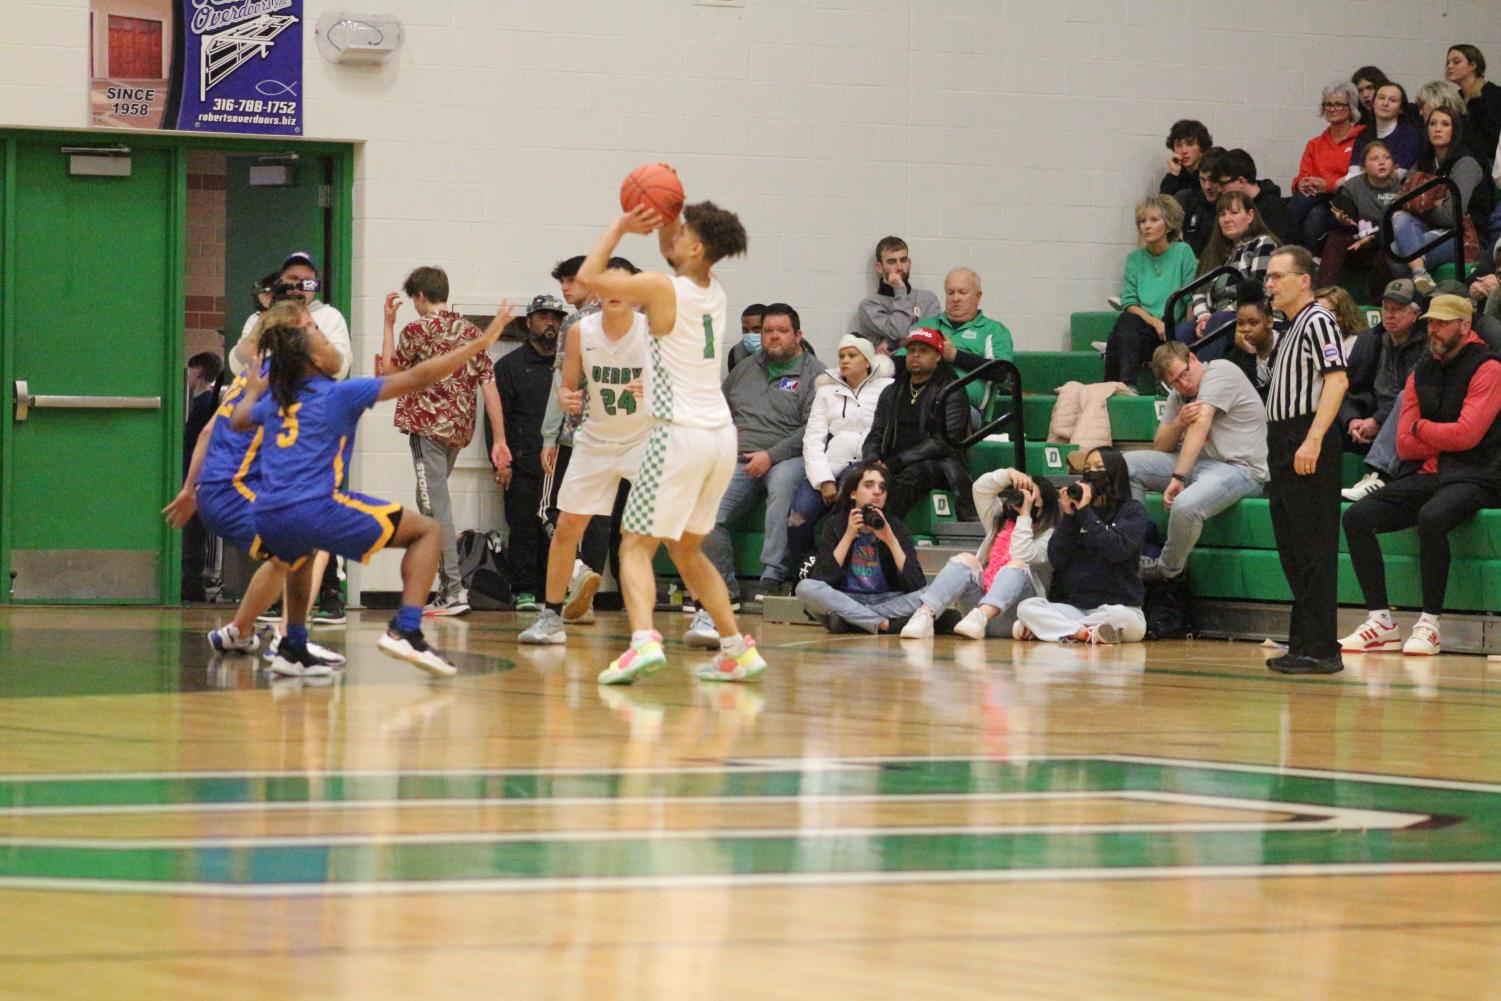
(1094, 553)
(1011, 563)
(867, 575)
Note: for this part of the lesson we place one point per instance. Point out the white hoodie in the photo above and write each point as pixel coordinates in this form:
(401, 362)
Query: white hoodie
(837, 425)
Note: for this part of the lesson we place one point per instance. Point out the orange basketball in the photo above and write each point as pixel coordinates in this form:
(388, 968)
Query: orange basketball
(655, 185)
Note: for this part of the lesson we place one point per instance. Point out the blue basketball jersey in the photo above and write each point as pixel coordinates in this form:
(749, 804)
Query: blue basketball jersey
(306, 447)
(232, 456)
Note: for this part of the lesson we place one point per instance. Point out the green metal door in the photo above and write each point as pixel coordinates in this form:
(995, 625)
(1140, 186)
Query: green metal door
(92, 325)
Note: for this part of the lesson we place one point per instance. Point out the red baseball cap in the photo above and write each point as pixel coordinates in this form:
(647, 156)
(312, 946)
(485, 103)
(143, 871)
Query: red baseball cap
(926, 335)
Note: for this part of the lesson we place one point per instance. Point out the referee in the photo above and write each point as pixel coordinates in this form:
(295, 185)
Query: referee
(1303, 452)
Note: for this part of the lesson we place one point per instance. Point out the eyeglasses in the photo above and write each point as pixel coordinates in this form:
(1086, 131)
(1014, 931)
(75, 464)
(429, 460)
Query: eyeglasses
(1331, 105)
(1277, 276)
(1176, 380)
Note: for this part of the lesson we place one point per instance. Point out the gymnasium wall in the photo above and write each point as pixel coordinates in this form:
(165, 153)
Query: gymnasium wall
(1013, 137)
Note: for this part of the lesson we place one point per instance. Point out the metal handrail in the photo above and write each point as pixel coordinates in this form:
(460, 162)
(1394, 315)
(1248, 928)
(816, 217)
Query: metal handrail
(996, 370)
(1456, 233)
(1208, 278)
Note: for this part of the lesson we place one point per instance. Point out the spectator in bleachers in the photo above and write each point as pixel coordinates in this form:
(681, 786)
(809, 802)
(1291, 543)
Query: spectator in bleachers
(1305, 459)
(1464, 66)
(1161, 265)
(1357, 211)
(751, 319)
(1011, 564)
(844, 408)
(1237, 172)
(1368, 80)
(867, 575)
(1488, 327)
(905, 434)
(896, 306)
(1187, 140)
(1255, 337)
(1449, 436)
(1389, 124)
(1198, 202)
(1403, 339)
(769, 398)
(1325, 162)
(1444, 155)
(1362, 346)
(1094, 552)
(1242, 241)
(1438, 94)
(1208, 453)
(970, 338)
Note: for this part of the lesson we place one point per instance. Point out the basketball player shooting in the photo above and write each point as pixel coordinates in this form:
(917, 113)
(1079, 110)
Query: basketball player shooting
(690, 452)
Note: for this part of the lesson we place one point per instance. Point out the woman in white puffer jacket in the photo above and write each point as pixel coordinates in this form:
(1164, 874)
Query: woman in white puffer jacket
(843, 411)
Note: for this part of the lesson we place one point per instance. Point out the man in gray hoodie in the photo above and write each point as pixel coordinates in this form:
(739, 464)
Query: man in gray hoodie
(770, 394)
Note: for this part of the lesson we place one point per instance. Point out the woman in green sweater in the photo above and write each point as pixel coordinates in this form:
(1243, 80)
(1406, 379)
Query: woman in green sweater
(1154, 271)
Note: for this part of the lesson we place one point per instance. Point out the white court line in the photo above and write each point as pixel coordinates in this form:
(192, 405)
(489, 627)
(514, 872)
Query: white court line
(597, 883)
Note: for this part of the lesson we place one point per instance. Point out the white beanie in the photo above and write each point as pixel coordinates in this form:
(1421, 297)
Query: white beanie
(859, 344)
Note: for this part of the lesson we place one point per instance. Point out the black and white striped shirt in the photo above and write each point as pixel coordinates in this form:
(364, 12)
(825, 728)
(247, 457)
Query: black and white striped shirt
(1312, 346)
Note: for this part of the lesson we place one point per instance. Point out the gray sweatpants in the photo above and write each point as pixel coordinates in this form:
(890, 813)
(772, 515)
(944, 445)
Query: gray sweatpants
(433, 462)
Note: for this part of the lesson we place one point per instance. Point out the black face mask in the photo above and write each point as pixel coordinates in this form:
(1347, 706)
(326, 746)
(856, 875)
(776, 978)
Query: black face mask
(1097, 479)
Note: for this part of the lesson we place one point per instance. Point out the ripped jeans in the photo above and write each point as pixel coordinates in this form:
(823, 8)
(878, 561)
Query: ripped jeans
(807, 507)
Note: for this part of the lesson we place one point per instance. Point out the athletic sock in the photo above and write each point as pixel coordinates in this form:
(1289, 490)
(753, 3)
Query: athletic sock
(641, 636)
(297, 637)
(409, 618)
(732, 646)
(555, 607)
(1427, 619)
(1384, 617)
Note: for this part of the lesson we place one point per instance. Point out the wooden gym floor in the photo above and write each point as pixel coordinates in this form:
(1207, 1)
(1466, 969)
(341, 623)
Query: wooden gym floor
(874, 819)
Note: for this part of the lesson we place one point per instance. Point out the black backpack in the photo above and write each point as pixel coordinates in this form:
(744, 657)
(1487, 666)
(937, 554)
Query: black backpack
(1167, 609)
(485, 571)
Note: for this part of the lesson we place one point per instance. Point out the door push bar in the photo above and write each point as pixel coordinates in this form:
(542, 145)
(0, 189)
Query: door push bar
(26, 401)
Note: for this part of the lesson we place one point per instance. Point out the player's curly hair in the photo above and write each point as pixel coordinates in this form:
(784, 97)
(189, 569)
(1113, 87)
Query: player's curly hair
(282, 336)
(719, 230)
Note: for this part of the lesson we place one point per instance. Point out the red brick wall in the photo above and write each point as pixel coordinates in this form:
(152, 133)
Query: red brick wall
(207, 181)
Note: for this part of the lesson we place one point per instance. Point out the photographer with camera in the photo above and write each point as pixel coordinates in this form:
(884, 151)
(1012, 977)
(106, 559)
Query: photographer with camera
(1094, 553)
(866, 577)
(298, 279)
(1011, 563)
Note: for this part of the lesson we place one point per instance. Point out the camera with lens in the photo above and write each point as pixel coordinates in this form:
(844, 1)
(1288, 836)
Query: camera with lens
(874, 519)
(1096, 484)
(1012, 498)
(282, 289)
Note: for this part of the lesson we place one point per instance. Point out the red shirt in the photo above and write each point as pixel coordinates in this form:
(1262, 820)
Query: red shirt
(445, 411)
(1426, 440)
(1323, 157)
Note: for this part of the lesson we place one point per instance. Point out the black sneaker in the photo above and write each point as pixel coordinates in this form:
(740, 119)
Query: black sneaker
(330, 611)
(272, 614)
(411, 647)
(1297, 663)
(292, 662)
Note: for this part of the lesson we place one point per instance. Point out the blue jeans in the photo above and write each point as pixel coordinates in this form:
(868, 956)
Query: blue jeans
(958, 585)
(863, 611)
(744, 493)
(807, 507)
(1383, 452)
(1311, 213)
(1212, 487)
(1215, 349)
(1409, 233)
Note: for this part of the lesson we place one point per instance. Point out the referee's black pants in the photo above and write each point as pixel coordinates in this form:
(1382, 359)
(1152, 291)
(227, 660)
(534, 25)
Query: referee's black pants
(1305, 520)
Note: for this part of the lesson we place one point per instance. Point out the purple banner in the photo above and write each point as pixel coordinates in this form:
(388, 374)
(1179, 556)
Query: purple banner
(241, 67)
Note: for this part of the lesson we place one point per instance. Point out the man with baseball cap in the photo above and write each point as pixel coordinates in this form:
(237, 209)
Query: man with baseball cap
(523, 377)
(906, 432)
(299, 278)
(1450, 445)
(1403, 340)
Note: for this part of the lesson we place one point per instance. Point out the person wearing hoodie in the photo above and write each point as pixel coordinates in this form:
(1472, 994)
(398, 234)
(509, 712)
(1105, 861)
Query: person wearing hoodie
(1094, 552)
(844, 407)
(769, 394)
(1238, 173)
(905, 435)
(1011, 563)
(867, 576)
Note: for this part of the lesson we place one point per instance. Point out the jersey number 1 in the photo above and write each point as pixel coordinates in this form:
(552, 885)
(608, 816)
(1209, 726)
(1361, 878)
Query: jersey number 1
(708, 336)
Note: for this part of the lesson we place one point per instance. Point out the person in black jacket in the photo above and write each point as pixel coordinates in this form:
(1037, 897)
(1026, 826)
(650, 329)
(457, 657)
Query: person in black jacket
(1094, 552)
(905, 434)
(866, 577)
(1238, 173)
(1188, 140)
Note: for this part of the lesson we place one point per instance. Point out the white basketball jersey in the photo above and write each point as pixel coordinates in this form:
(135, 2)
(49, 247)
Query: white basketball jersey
(615, 415)
(682, 372)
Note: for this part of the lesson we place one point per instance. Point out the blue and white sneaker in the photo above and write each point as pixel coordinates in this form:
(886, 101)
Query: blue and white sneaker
(228, 640)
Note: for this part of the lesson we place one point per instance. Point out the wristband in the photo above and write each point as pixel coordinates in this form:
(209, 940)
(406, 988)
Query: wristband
(1181, 478)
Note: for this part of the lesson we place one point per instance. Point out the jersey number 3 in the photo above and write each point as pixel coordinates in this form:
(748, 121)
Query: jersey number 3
(288, 436)
(708, 336)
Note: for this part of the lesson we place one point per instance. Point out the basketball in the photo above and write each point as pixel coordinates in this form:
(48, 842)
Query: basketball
(655, 185)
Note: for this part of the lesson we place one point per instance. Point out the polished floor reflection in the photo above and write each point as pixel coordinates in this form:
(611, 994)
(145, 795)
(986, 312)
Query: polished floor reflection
(874, 819)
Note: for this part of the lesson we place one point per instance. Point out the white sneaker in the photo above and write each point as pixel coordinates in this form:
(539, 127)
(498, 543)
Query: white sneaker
(1114, 302)
(1364, 487)
(1423, 642)
(448, 604)
(582, 587)
(1422, 280)
(701, 632)
(973, 625)
(1021, 632)
(412, 648)
(320, 653)
(1099, 346)
(548, 629)
(1373, 637)
(303, 666)
(1103, 633)
(920, 625)
(229, 640)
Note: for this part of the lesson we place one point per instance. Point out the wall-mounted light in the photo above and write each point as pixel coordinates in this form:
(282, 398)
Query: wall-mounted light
(357, 38)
